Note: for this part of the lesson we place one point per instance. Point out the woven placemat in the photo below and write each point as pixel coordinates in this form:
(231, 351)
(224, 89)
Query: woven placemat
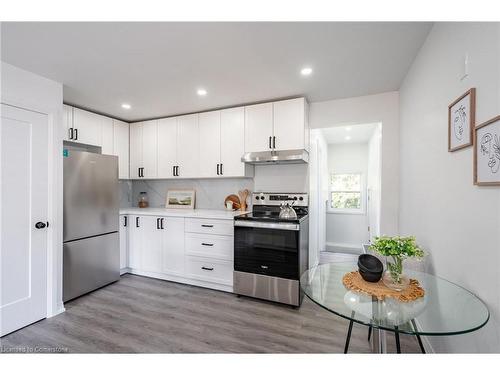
(354, 281)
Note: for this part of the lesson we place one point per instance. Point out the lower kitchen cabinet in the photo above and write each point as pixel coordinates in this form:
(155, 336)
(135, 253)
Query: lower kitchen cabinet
(123, 232)
(190, 251)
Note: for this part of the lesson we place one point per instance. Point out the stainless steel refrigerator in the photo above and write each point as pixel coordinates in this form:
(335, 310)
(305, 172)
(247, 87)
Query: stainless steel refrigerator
(91, 249)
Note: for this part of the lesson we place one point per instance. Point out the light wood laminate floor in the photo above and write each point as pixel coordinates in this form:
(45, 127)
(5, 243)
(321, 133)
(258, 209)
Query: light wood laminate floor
(143, 315)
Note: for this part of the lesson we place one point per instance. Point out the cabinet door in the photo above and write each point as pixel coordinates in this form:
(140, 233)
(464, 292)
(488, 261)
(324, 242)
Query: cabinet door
(232, 140)
(121, 147)
(210, 144)
(135, 149)
(135, 235)
(124, 223)
(258, 127)
(151, 255)
(289, 124)
(188, 146)
(167, 147)
(107, 136)
(150, 148)
(173, 245)
(67, 122)
(87, 127)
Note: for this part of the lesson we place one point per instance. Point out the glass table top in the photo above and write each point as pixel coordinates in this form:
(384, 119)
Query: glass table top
(446, 308)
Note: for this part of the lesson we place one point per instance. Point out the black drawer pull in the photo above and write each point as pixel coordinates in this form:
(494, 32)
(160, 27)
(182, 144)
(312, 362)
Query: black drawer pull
(207, 268)
(207, 226)
(207, 244)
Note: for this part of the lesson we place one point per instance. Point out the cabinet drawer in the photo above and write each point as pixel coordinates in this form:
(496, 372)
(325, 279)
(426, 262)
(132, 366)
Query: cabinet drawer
(209, 226)
(210, 246)
(215, 271)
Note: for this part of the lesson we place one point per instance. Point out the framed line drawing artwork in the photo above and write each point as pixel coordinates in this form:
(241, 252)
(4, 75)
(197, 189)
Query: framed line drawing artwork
(461, 121)
(487, 153)
(180, 199)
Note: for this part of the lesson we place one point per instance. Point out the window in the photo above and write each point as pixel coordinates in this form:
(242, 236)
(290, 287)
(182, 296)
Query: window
(346, 192)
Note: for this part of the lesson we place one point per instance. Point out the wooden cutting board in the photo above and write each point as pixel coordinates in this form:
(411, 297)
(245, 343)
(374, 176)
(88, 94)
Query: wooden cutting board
(234, 199)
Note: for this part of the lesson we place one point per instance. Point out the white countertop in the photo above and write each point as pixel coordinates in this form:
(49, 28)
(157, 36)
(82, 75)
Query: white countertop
(196, 213)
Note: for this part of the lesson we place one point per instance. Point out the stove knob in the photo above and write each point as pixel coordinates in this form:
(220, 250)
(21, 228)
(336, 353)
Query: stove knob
(294, 198)
(262, 197)
(257, 197)
(301, 198)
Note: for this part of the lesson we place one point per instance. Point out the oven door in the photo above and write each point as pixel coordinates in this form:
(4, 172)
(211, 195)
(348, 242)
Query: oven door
(270, 249)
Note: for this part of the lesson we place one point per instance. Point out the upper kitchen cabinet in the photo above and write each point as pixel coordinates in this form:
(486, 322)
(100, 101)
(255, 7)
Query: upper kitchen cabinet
(210, 143)
(290, 126)
(68, 122)
(107, 135)
(188, 146)
(144, 149)
(121, 147)
(232, 143)
(167, 147)
(87, 127)
(258, 127)
(277, 126)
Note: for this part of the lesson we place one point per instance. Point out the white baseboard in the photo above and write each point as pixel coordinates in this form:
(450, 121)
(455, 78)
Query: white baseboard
(59, 309)
(344, 248)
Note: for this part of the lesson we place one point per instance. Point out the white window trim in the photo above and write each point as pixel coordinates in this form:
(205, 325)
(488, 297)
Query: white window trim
(348, 211)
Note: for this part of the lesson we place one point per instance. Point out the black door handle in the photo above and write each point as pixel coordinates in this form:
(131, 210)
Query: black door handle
(76, 134)
(274, 142)
(207, 268)
(41, 225)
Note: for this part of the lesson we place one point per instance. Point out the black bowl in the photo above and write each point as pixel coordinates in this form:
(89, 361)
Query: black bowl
(370, 263)
(371, 277)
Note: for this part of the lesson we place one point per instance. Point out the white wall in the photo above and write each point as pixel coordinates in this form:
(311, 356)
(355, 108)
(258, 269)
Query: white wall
(373, 180)
(27, 90)
(458, 223)
(381, 108)
(347, 231)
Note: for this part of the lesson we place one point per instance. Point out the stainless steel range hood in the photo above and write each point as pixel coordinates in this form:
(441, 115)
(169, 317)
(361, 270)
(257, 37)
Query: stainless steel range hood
(276, 157)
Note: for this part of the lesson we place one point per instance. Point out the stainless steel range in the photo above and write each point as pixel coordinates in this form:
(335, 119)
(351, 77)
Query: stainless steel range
(271, 252)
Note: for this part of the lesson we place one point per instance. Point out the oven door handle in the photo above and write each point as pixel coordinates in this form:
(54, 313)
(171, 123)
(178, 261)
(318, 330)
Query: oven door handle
(258, 224)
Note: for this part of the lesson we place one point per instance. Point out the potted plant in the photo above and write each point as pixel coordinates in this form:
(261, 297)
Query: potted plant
(396, 250)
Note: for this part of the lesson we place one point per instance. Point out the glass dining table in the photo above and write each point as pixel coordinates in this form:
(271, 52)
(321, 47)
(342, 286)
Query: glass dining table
(446, 309)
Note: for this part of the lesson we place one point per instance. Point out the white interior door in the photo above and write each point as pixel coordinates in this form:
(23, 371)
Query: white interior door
(24, 202)
(232, 141)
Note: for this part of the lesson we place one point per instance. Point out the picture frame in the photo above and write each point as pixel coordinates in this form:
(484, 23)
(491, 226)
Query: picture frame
(461, 121)
(487, 153)
(180, 198)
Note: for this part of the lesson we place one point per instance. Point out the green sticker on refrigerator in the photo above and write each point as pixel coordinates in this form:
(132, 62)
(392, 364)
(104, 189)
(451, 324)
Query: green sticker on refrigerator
(65, 153)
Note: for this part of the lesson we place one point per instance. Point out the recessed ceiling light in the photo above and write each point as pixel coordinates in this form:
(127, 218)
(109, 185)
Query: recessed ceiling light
(348, 129)
(347, 138)
(201, 92)
(306, 71)
(126, 106)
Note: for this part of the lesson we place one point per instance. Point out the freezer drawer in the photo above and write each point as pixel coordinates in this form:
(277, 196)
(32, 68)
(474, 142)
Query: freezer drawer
(89, 264)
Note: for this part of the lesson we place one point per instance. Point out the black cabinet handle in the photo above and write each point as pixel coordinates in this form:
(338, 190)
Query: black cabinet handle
(274, 142)
(207, 244)
(158, 223)
(125, 221)
(207, 226)
(207, 268)
(70, 131)
(218, 173)
(270, 142)
(138, 172)
(221, 169)
(41, 225)
(161, 223)
(76, 134)
(177, 171)
(137, 221)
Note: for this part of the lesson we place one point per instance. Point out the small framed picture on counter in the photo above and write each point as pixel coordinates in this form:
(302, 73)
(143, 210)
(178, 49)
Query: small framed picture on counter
(180, 199)
(461, 120)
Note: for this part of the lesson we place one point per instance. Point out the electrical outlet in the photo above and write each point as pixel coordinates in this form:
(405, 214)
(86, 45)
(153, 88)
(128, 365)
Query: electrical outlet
(465, 71)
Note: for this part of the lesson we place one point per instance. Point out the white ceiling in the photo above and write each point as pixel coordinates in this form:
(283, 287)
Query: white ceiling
(360, 133)
(157, 67)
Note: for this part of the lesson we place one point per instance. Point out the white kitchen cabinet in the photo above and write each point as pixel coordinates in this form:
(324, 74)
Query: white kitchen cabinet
(68, 122)
(121, 147)
(167, 147)
(107, 135)
(144, 149)
(173, 245)
(188, 146)
(210, 144)
(123, 231)
(258, 127)
(135, 245)
(232, 143)
(87, 127)
(151, 253)
(289, 124)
